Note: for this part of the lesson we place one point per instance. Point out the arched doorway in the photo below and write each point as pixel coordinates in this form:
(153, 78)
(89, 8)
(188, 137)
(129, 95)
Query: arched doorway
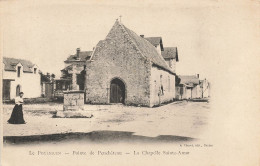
(18, 90)
(117, 91)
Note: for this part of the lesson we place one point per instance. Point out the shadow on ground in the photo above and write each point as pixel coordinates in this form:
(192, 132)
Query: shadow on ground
(94, 137)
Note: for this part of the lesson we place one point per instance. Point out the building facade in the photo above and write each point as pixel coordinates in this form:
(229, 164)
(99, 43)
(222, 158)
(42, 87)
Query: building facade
(20, 76)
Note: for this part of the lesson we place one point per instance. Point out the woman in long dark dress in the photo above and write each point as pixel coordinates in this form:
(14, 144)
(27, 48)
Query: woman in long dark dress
(17, 113)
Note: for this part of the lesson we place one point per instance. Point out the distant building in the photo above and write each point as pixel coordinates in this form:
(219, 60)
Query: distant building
(20, 76)
(79, 59)
(64, 83)
(189, 87)
(130, 69)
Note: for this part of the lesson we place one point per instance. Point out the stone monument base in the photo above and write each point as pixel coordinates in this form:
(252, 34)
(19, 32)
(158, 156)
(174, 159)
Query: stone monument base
(73, 106)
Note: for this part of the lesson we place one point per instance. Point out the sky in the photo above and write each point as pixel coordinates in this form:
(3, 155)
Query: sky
(48, 32)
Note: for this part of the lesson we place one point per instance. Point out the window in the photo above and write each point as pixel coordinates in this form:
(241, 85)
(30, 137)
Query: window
(162, 92)
(34, 70)
(161, 88)
(170, 63)
(155, 88)
(18, 90)
(19, 71)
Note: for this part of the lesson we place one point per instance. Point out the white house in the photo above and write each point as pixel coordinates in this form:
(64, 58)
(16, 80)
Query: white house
(20, 76)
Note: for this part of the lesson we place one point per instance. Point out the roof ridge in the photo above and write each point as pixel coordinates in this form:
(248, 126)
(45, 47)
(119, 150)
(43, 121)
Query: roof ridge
(94, 51)
(10, 62)
(131, 40)
(17, 59)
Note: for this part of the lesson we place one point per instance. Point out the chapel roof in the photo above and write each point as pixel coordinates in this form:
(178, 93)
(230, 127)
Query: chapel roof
(147, 50)
(10, 64)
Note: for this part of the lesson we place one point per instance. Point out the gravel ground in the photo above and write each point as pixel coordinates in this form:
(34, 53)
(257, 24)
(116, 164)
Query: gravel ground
(186, 119)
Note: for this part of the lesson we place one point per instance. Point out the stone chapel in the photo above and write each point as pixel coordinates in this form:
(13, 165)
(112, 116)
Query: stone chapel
(130, 69)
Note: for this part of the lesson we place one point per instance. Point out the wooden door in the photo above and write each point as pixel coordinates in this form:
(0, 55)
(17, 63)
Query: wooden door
(117, 91)
(49, 90)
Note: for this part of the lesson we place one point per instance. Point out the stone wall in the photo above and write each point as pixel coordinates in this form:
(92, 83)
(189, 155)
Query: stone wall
(162, 86)
(116, 57)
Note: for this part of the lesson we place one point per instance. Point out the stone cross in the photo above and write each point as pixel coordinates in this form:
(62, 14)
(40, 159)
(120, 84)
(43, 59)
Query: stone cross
(74, 73)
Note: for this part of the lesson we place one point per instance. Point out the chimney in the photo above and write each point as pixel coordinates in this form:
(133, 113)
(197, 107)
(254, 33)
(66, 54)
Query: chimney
(78, 50)
(198, 75)
(142, 36)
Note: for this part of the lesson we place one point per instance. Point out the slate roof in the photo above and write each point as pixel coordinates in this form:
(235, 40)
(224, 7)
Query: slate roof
(147, 49)
(83, 56)
(10, 64)
(143, 46)
(170, 53)
(189, 80)
(155, 41)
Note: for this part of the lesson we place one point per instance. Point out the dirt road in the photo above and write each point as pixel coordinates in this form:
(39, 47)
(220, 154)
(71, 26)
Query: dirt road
(179, 119)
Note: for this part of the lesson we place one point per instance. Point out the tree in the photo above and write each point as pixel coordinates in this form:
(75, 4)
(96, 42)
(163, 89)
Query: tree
(45, 77)
(52, 75)
(48, 75)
